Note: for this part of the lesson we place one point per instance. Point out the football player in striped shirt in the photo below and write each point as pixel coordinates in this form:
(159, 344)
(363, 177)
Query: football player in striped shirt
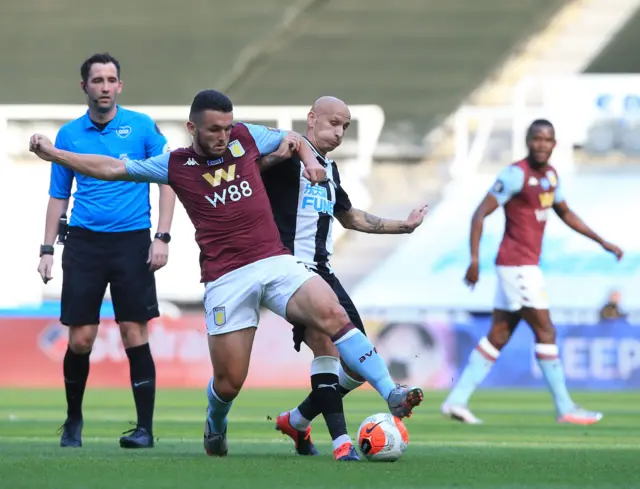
(304, 215)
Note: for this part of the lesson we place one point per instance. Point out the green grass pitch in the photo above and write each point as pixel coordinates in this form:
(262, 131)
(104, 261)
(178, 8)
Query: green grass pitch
(519, 446)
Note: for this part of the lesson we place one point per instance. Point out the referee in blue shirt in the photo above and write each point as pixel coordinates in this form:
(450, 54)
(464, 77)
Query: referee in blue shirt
(108, 243)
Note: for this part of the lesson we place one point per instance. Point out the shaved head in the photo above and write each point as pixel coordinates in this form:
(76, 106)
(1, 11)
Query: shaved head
(327, 104)
(327, 121)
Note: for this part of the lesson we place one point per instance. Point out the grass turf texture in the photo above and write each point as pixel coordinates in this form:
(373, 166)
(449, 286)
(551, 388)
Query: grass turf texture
(520, 446)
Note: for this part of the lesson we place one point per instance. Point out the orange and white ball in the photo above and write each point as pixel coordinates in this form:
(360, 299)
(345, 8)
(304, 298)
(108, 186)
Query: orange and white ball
(383, 437)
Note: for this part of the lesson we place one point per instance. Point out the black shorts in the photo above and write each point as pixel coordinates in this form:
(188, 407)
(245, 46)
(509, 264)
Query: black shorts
(91, 260)
(345, 302)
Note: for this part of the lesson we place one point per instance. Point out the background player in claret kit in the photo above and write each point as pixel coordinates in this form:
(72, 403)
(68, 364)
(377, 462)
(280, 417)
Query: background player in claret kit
(243, 261)
(304, 215)
(527, 190)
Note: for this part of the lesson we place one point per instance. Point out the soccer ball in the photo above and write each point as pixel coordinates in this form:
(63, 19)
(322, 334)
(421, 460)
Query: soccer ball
(383, 437)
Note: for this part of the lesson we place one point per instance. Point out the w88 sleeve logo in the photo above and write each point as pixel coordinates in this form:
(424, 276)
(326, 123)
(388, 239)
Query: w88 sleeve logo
(233, 193)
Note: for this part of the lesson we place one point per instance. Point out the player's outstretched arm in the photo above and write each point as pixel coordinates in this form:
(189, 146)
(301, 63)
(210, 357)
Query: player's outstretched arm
(96, 166)
(572, 220)
(153, 170)
(359, 220)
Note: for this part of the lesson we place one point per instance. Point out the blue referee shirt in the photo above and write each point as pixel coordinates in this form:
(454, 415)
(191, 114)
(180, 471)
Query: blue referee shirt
(108, 206)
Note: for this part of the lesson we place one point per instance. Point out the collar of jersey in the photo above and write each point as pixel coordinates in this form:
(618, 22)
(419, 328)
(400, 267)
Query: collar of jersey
(113, 123)
(325, 161)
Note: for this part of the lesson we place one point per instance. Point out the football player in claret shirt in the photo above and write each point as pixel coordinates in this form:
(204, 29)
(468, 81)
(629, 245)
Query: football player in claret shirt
(527, 190)
(243, 261)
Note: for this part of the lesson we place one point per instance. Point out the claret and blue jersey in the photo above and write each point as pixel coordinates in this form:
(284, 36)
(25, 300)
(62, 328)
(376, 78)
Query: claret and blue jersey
(224, 198)
(156, 169)
(108, 206)
(526, 194)
(511, 181)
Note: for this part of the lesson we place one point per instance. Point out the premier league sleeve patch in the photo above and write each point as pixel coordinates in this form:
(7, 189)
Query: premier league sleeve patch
(498, 187)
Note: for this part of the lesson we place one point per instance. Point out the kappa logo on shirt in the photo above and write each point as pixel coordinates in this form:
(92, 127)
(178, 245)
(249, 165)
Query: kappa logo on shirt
(123, 131)
(191, 162)
(236, 148)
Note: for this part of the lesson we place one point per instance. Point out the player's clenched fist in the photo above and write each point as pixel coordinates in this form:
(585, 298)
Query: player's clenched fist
(288, 146)
(42, 147)
(315, 173)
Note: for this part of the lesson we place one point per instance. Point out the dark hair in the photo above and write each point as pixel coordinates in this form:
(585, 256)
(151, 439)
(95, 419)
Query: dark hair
(538, 124)
(103, 58)
(210, 100)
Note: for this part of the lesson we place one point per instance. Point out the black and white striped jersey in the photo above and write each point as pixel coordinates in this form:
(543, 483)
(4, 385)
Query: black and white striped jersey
(304, 213)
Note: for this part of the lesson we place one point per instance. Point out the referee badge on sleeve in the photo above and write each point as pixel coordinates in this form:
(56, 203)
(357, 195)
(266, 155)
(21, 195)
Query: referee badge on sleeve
(219, 316)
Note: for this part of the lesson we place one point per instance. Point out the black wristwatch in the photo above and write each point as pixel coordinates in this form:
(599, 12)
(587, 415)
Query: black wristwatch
(164, 237)
(46, 250)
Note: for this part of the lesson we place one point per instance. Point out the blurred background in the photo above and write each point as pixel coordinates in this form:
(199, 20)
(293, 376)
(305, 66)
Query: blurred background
(441, 92)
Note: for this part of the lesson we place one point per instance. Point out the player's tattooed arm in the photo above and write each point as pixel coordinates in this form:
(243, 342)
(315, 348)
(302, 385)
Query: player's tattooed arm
(362, 221)
(289, 145)
(268, 161)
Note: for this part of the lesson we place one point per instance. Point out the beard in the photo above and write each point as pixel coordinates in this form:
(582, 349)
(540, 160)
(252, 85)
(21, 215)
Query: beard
(206, 150)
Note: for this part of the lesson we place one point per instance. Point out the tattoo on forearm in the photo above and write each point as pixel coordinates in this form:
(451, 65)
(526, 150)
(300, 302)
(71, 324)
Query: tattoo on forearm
(268, 159)
(375, 223)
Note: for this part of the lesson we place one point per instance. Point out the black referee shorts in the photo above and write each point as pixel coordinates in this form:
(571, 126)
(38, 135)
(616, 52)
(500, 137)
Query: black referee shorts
(91, 260)
(345, 302)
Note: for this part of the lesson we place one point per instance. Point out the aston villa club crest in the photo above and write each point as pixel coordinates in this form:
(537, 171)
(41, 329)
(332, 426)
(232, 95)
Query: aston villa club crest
(219, 316)
(236, 148)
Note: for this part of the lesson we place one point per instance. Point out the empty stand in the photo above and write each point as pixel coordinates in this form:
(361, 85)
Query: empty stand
(417, 59)
(169, 49)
